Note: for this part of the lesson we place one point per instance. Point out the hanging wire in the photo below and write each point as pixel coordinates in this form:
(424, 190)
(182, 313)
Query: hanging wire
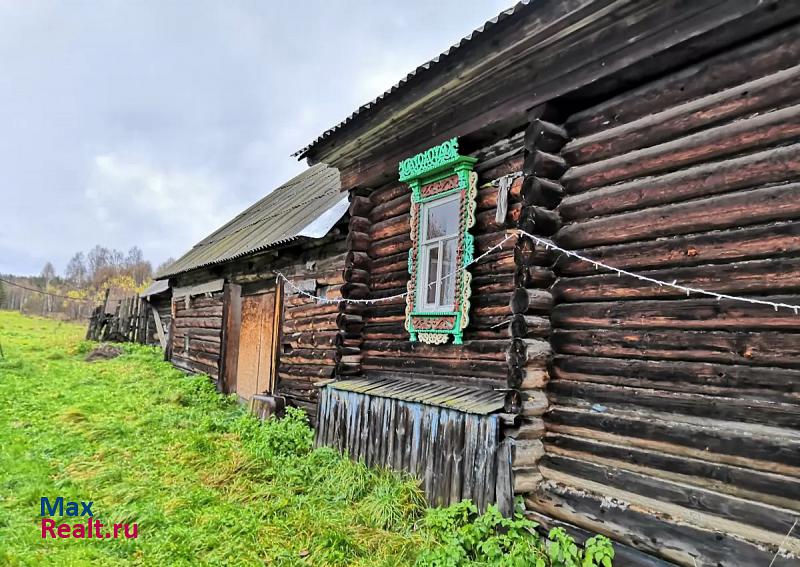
(549, 244)
(510, 176)
(498, 246)
(33, 289)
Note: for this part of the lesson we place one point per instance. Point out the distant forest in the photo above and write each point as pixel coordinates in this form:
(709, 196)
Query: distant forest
(82, 285)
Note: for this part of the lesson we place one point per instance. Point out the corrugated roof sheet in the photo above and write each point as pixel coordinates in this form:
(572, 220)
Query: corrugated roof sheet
(470, 400)
(418, 72)
(158, 286)
(279, 217)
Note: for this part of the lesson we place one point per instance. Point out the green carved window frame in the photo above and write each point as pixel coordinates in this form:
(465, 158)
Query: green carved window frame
(439, 175)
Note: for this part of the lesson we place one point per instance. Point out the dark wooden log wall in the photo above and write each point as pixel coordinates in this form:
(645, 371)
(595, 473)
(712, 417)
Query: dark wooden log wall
(196, 333)
(310, 341)
(506, 344)
(532, 300)
(453, 453)
(675, 421)
(483, 359)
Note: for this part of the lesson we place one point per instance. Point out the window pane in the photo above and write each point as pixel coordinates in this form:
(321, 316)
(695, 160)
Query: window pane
(447, 293)
(433, 266)
(443, 219)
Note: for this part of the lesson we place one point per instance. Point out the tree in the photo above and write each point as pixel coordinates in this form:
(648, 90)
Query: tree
(137, 267)
(48, 273)
(98, 258)
(134, 257)
(117, 260)
(76, 272)
(2, 296)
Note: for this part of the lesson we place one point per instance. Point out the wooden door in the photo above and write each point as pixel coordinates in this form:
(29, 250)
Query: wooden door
(257, 346)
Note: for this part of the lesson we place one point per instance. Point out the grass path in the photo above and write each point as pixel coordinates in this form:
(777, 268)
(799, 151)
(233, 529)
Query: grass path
(206, 484)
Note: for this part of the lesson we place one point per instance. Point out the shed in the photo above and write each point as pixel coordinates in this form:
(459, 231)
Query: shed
(659, 138)
(234, 319)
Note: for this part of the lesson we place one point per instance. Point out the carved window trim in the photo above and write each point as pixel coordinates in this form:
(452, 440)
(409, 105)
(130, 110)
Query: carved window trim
(433, 175)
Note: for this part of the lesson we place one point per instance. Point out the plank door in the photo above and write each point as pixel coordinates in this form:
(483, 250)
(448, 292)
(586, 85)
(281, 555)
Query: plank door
(257, 346)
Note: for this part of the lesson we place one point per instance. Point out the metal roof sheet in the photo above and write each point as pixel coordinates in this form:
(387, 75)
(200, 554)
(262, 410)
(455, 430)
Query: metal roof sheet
(470, 400)
(281, 216)
(437, 61)
(158, 286)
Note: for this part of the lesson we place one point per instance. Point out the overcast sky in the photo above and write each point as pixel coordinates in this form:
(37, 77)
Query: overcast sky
(151, 123)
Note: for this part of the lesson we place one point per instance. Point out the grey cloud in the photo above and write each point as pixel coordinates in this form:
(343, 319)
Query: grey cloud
(151, 123)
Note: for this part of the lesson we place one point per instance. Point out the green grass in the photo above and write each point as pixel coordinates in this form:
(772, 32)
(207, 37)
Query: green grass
(206, 483)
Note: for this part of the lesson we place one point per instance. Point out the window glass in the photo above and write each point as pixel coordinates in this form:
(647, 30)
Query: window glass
(442, 219)
(433, 267)
(448, 285)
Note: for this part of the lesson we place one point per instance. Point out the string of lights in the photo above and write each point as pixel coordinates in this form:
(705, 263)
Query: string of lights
(279, 275)
(549, 244)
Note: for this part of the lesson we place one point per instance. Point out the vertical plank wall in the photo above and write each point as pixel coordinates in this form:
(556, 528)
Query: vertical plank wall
(675, 421)
(453, 453)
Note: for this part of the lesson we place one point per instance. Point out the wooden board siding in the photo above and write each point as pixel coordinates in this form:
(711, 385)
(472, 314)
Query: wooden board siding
(674, 423)
(454, 454)
(197, 333)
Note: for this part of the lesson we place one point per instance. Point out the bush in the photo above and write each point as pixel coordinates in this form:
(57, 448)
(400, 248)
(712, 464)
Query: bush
(285, 437)
(459, 535)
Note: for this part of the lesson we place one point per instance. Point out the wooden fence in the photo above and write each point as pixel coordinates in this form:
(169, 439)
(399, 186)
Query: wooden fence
(132, 319)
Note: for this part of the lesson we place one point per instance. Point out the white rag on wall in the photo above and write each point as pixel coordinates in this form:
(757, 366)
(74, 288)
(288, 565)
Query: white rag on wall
(503, 186)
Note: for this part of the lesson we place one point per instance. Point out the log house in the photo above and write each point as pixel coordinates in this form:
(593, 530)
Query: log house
(657, 137)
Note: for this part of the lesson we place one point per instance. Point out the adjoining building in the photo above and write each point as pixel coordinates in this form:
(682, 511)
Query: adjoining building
(231, 316)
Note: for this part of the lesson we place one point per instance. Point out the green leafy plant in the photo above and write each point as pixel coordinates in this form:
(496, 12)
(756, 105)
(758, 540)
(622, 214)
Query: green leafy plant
(459, 535)
(285, 437)
(598, 552)
(562, 550)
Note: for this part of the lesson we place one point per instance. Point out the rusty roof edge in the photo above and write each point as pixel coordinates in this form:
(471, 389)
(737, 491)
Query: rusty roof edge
(419, 71)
